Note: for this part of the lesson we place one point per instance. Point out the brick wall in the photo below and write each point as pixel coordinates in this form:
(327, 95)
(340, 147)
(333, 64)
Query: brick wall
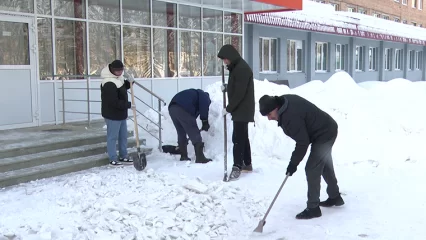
(390, 8)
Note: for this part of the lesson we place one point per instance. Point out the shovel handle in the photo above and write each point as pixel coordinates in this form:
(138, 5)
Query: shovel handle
(135, 121)
(275, 198)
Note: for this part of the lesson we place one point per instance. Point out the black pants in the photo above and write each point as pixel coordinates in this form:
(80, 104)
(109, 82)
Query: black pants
(240, 139)
(185, 124)
(320, 163)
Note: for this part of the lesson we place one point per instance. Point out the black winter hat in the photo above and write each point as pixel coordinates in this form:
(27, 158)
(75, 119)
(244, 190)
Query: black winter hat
(116, 65)
(267, 104)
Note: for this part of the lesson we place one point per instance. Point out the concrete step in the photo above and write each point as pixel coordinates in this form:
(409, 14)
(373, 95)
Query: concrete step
(32, 160)
(16, 149)
(15, 177)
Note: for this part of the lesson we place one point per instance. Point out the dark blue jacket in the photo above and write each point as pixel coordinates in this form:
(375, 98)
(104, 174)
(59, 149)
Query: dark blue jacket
(195, 101)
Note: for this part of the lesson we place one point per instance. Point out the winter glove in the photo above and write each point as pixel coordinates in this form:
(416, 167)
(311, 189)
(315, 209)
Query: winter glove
(224, 112)
(129, 77)
(205, 126)
(224, 87)
(292, 168)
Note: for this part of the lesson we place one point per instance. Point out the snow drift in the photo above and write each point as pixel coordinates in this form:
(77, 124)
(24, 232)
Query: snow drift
(373, 117)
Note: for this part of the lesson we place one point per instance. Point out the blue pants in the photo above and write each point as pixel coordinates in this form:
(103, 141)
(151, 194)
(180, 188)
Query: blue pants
(116, 130)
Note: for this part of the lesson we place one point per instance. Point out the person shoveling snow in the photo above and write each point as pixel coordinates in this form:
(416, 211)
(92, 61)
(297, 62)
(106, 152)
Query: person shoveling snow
(306, 124)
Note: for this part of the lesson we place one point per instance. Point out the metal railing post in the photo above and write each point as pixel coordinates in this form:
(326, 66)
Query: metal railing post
(63, 101)
(88, 100)
(159, 125)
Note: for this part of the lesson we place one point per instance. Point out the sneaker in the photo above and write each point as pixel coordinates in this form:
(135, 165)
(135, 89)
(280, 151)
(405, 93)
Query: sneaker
(247, 168)
(330, 202)
(235, 173)
(125, 159)
(115, 163)
(309, 213)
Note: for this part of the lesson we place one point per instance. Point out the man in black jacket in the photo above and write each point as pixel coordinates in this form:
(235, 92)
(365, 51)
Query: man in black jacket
(184, 108)
(306, 124)
(240, 90)
(114, 110)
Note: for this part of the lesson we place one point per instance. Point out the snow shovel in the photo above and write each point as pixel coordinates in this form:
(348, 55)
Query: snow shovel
(139, 159)
(225, 131)
(262, 222)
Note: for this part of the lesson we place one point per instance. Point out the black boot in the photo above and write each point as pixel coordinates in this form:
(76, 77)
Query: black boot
(199, 154)
(184, 152)
(309, 213)
(330, 202)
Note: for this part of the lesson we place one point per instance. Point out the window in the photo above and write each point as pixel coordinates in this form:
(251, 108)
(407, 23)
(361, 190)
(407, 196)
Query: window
(414, 23)
(386, 17)
(398, 59)
(340, 57)
(396, 0)
(376, 15)
(388, 59)
(415, 60)
(70, 50)
(414, 3)
(268, 54)
(190, 54)
(336, 6)
(351, 9)
(404, 21)
(321, 56)
(418, 59)
(362, 11)
(212, 42)
(105, 44)
(359, 58)
(294, 55)
(137, 51)
(404, 2)
(397, 19)
(411, 60)
(420, 4)
(372, 56)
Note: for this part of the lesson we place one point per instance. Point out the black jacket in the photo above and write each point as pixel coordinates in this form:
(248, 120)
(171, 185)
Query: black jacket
(305, 123)
(240, 87)
(115, 103)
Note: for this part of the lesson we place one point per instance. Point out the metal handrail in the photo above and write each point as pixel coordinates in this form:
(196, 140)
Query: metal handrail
(161, 103)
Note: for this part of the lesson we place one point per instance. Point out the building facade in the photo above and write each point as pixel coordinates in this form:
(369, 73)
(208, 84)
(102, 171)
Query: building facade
(52, 51)
(287, 48)
(404, 11)
(169, 46)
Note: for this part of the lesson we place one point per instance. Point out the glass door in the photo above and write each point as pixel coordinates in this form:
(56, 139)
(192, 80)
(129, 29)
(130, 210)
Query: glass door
(18, 101)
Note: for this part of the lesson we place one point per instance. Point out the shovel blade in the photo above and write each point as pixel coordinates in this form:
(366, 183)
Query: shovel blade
(259, 227)
(139, 161)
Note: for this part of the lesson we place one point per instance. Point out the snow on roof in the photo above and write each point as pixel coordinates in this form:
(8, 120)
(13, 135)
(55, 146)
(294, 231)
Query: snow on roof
(323, 18)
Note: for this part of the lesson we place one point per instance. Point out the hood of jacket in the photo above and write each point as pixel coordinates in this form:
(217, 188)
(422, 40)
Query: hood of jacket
(109, 77)
(229, 52)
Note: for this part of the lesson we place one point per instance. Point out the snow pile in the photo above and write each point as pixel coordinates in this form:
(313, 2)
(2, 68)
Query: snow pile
(122, 204)
(375, 118)
(379, 155)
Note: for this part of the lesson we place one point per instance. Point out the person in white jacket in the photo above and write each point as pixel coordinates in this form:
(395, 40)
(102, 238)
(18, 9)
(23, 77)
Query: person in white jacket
(115, 105)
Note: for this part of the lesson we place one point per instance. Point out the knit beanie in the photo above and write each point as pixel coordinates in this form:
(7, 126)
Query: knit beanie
(116, 65)
(267, 104)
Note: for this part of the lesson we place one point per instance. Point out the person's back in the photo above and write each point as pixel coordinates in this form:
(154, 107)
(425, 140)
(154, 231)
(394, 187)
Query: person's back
(319, 124)
(194, 101)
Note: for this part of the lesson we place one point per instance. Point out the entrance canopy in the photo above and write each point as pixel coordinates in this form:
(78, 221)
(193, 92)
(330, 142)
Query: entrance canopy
(259, 6)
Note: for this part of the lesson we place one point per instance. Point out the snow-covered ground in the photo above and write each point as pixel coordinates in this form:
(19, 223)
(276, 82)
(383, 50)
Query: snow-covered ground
(379, 157)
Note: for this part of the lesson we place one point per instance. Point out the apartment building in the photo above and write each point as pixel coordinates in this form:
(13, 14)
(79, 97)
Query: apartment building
(405, 11)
